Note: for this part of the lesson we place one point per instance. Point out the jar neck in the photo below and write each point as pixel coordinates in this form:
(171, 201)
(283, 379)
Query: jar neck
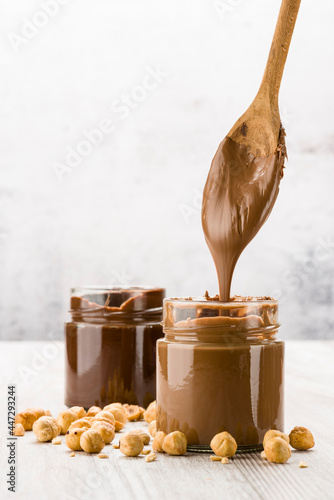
(222, 335)
(99, 316)
(213, 321)
(116, 305)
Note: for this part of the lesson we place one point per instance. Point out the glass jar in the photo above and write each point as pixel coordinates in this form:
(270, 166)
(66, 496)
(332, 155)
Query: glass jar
(220, 368)
(111, 345)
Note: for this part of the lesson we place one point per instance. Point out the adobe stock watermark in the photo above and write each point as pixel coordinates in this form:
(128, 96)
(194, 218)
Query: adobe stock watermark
(122, 108)
(40, 358)
(120, 279)
(194, 208)
(294, 278)
(32, 26)
(224, 7)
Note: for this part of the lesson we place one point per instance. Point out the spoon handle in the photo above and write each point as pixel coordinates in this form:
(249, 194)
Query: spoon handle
(273, 73)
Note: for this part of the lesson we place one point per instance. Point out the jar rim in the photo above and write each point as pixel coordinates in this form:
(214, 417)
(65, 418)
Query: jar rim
(249, 301)
(116, 288)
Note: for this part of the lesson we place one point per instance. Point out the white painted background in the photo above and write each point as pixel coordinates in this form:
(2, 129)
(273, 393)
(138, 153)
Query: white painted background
(129, 212)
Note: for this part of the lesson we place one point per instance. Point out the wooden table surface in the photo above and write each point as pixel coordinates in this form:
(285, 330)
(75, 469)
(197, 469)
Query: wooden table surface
(47, 471)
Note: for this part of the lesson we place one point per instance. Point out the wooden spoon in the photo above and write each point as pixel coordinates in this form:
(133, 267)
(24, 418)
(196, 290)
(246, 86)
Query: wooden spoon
(243, 182)
(258, 128)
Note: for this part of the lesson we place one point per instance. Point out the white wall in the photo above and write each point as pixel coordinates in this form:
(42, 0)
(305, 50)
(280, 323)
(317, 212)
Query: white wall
(119, 216)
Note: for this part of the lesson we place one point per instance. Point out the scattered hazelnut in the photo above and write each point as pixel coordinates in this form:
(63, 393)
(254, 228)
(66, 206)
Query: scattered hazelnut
(72, 438)
(26, 418)
(18, 430)
(116, 446)
(301, 438)
(39, 412)
(215, 458)
(103, 455)
(151, 457)
(91, 441)
(79, 411)
(93, 410)
(72, 454)
(46, 428)
(224, 460)
(118, 426)
(174, 443)
(118, 413)
(277, 450)
(302, 464)
(150, 413)
(263, 455)
(224, 445)
(152, 428)
(48, 413)
(106, 430)
(146, 452)
(106, 415)
(145, 437)
(274, 433)
(131, 445)
(133, 413)
(82, 422)
(64, 419)
(56, 440)
(117, 405)
(158, 441)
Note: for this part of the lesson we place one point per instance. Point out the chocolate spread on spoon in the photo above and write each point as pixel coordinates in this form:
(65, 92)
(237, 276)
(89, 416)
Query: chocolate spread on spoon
(239, 194)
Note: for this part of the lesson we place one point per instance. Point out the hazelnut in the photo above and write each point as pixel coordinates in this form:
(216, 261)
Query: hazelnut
(18, 430)
(158, 441)
(72, 454)
(301, 438)
(277, 450)
(91, 441)
(56, 440)
(224, 445)
(93, 410)
(302, 464)
(152, 428)
(103, 455)
(215, 458)
(118, 426)
(48, 413)
(174, 443)
(224, 460)
(118, 414)
(79, 411)
(39, 412)
(26, 418)
(145, 437)
(151, 457)
(131, 445)
(117, 405)
(274, 433)
(150, 413)
(46, 428)
(133, 412)
(106, 430)
(105, 415)
(82, 422)
(64, 419)
(72, 438)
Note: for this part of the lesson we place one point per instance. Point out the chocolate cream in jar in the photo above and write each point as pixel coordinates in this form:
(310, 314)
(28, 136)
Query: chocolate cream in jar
(110, 351)
(220, 368)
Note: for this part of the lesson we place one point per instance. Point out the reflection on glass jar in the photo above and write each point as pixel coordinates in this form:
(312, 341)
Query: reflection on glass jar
(220, 368)
(111, 345)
